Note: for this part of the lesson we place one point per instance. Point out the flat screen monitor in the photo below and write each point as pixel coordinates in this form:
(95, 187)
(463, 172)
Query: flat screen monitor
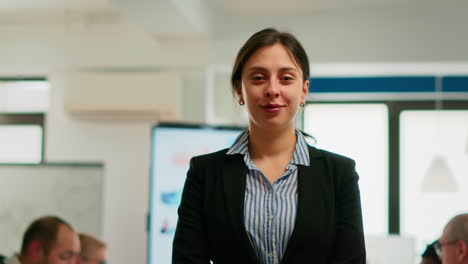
(172, 146)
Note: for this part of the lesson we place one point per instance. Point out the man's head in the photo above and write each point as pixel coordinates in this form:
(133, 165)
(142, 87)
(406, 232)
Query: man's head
(50, 240)
(429, 256)
(453, 244)
(93, 250)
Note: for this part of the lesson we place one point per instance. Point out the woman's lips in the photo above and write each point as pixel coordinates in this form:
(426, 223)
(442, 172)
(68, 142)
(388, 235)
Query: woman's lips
(272, 108)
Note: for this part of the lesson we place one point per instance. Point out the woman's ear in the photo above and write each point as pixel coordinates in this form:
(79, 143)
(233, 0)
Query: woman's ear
(305, 91)
(239, 95)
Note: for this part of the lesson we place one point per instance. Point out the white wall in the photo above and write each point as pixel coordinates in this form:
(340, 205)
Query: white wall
(194, 101)
(125, 151)
(124, 148)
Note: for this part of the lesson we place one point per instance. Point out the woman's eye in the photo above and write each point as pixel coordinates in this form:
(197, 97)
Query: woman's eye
(257, 78)
(287, 78)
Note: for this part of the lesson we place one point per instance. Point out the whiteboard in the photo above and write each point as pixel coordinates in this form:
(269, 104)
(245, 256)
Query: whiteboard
(73, 192)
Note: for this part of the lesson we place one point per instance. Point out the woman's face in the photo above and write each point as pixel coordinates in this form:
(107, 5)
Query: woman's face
(272, 87)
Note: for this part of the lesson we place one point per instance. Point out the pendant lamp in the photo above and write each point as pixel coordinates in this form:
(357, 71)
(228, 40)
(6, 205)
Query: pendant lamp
(439, 177)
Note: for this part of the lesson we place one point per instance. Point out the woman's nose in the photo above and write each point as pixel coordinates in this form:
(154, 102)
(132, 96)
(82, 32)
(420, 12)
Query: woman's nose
(272, 90)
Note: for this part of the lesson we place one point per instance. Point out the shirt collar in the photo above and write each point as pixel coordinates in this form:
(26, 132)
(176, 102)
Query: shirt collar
(301, 153)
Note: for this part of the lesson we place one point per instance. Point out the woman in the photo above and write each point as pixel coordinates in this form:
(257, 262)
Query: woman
(93, 250)
(270, 198)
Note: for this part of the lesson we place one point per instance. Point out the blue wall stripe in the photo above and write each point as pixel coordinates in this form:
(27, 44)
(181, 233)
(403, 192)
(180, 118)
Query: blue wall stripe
(455, 84)
(372, 84)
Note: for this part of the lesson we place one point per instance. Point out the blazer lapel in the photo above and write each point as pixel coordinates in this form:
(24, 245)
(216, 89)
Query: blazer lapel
(311, 203)
(234, 180)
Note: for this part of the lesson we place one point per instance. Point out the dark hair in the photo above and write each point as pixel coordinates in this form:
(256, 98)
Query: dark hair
(268, 37)
(43, 230)
(430, 252)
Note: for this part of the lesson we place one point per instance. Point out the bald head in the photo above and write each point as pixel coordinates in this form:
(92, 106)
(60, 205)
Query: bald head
(43, 230)
(50, 240)
(457, 228)
(453, 243)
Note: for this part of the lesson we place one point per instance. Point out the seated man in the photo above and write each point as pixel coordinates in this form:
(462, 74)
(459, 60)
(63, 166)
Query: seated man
(452, 247)
(93, 250)
(48, 240)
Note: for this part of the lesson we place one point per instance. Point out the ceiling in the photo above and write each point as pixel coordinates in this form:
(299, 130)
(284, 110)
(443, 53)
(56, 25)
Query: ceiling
(168, 34)
(201, 17)
(239, 6)
(52, 5)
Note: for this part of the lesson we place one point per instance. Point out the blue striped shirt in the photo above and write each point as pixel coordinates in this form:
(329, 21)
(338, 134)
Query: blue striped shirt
(270, 209)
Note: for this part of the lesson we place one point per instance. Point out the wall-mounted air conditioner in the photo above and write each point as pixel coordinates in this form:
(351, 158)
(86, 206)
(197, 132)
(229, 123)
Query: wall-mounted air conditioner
(123, 96)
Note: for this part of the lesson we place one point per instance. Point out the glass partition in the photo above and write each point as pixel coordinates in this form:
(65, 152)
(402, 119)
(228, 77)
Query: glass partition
(359, 131)
(433, 171)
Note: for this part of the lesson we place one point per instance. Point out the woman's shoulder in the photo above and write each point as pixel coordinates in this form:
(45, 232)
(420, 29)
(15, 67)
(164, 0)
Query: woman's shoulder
(211, 157)
(328, 155)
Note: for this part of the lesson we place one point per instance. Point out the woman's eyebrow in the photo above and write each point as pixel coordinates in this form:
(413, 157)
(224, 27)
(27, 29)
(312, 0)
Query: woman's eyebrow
(288, 69)
(260, 68)
(256, 68)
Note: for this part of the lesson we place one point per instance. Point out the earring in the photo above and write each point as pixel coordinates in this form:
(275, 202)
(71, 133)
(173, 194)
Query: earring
(301, 104)
(241, 102)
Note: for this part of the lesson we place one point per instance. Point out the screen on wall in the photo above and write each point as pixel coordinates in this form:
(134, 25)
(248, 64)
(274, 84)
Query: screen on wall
(172, 146)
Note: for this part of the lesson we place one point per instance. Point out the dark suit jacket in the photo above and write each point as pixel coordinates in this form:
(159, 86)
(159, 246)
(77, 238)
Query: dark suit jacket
(328, 227)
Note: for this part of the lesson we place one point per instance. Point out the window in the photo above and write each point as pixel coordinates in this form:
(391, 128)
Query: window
(433, 171)
(423, 144)
(24, 95)
(359, 131)
(20, 143)
(23, 103)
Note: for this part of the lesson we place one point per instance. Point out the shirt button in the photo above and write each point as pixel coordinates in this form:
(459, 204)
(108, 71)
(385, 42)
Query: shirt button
(270, 255)
(271, 217)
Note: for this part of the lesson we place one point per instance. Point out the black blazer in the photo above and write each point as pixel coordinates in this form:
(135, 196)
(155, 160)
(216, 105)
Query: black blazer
(328, 227)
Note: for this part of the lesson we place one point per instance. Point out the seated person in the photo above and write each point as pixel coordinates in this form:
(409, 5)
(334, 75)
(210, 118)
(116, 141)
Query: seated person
(429, 256)
(452, 246)
(48, 240)
(93, 250)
